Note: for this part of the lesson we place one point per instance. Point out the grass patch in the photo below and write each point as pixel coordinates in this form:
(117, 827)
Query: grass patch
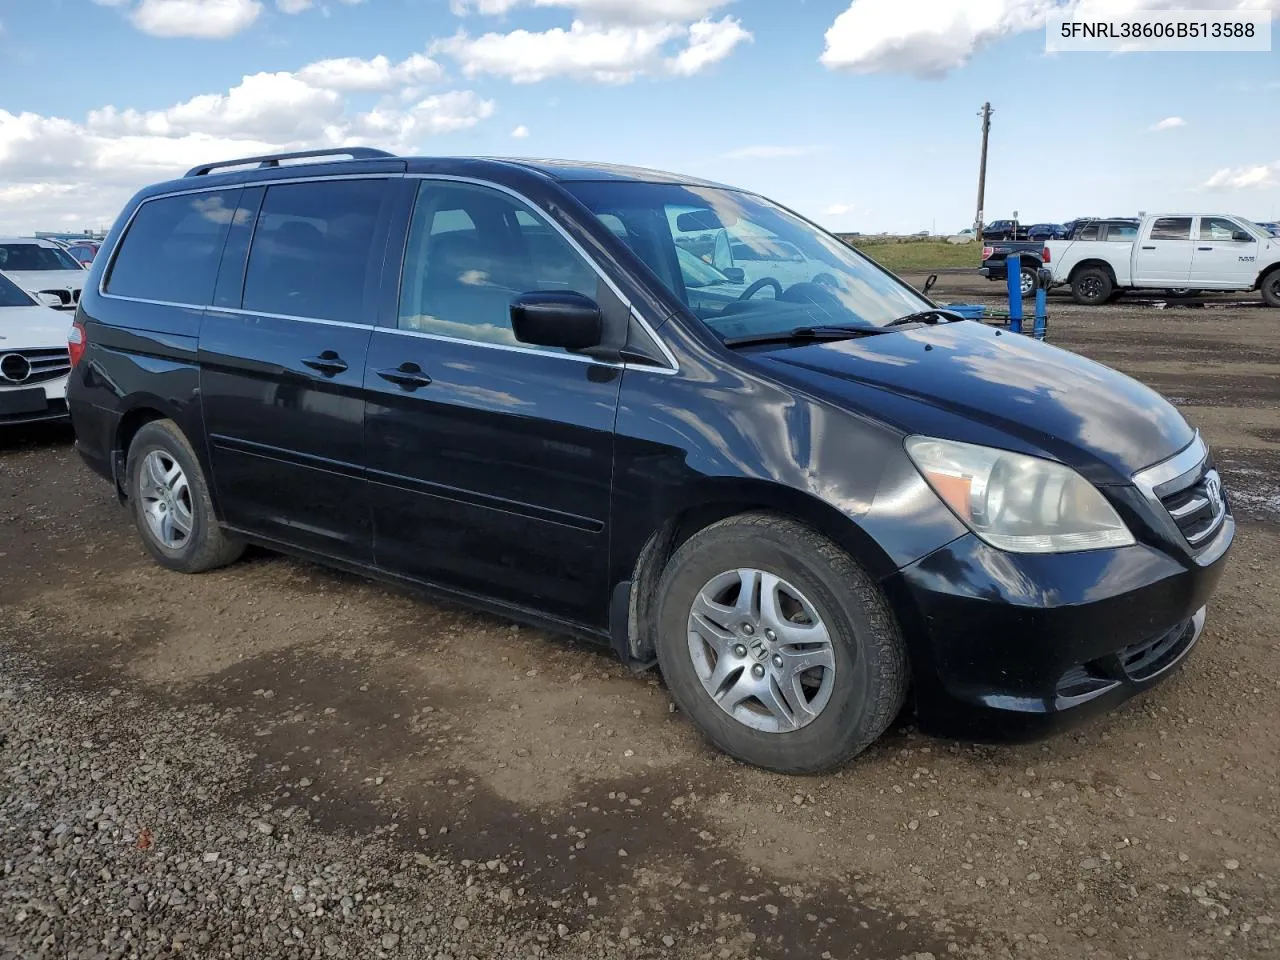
(906, 254)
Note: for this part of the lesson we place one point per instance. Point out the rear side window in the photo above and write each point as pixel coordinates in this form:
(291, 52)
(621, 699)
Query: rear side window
(311, 249)
(1089, 233)
(1122, 231)
(172, 247)
(1171, 228)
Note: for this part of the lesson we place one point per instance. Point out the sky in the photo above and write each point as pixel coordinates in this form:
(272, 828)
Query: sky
(862, 115)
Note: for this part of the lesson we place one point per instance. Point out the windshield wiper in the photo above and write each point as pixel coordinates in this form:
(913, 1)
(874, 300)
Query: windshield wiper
(802, 333)
(926, 316)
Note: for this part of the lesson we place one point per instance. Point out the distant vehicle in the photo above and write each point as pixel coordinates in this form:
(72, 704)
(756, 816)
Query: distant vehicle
(1271, 226)
(1046, 231)
(34, 360)
(1171, 252)
(1004, 230)
(43, 266)
(1101, 228)
(84, 250)
(995, 253)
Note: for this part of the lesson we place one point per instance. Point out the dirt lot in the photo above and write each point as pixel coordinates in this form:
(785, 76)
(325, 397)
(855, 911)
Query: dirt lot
(486, 790)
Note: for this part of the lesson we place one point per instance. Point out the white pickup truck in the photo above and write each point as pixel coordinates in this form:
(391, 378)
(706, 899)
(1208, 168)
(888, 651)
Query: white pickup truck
(1177, 253)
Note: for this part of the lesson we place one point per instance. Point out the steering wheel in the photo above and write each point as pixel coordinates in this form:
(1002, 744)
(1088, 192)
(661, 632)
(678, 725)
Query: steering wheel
(759, 285)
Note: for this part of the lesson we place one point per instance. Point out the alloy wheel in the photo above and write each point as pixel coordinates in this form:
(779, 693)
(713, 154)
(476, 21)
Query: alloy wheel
(166, 499)
(761, 650)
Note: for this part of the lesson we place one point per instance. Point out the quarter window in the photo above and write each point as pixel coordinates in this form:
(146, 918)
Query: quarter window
(172, 247)
(471, 251)
(1090, 232)
(312, 249)
(1122, 231)
(1171, 228)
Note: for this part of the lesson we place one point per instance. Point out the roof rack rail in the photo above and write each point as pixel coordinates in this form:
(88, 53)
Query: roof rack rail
(273, 159)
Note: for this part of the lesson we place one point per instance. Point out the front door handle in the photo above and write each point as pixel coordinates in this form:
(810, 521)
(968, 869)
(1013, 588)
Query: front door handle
(407, 375)
(1148, 248)
(328, 363)
(1204, 248)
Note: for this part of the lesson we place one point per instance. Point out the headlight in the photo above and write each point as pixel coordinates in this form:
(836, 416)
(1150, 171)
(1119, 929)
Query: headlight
(1018, 503)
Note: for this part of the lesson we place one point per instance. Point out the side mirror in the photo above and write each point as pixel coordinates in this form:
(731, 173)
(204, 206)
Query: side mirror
(49, 299)
(735, 274)
(1241, 236)
(928, 284)
(557, 318)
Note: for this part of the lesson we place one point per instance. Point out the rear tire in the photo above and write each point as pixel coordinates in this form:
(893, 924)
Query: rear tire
(1270, 287)
(831, 678)
(1028, 281)
(1091, 286)
(169, 499)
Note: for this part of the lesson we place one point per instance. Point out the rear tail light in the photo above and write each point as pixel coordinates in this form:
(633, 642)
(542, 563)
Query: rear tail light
(76, 342)
(1045, 255)
(987, 252)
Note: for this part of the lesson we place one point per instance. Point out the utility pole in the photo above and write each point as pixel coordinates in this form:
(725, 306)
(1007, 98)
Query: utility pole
(985, 114)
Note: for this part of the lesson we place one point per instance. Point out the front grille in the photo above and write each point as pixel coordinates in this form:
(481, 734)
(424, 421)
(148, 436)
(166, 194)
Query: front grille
(29, 367)
(1144, 660)
(1198, 508)
(75, 296)
(63, 295)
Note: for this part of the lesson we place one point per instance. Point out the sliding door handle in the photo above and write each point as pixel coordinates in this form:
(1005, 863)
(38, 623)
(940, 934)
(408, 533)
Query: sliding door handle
(328, 363)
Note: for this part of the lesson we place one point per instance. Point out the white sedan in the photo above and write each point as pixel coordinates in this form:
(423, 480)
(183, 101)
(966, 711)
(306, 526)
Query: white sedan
(34, 361)
(43, 267)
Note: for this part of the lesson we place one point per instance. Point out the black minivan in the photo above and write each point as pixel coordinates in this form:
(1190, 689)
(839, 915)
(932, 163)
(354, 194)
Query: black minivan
(802, 489)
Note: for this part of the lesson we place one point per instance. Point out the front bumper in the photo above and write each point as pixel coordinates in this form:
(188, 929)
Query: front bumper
(1007, 646)
(32, 404)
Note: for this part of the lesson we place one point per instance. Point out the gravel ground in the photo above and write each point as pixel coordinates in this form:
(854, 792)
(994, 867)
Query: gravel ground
(276, 760)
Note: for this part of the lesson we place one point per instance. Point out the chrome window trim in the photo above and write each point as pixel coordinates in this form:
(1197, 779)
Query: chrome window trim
(1187, 459)
(673, 366)
(671, 369)
(510, 347)
(124, 231)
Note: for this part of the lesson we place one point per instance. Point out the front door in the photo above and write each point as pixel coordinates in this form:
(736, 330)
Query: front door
(1221, 261)
(1164, 256)
(282, 364)
(490, 462)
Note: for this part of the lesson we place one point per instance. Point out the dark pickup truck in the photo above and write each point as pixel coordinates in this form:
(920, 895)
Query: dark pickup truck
(995, 253)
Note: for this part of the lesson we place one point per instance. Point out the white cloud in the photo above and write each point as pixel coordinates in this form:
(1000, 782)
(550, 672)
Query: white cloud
(591, 51)
(64, 172)
(839, 210)
(520, 133)
(605, 11)
(769, 152)
(710, 41)
(1259, 177)
(928, 38)
(350, 74)
(293, 6)
(204, 19)
(1168, 123)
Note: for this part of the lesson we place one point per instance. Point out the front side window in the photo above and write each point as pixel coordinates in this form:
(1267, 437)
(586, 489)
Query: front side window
(35, 256)
(172, 248)
(771, 271)
(1218, 229)
(1171, 228)
(311, 249)
(471, 251)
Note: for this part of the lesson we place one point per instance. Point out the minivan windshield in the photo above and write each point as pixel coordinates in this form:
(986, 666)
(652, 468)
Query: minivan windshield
(772, 272)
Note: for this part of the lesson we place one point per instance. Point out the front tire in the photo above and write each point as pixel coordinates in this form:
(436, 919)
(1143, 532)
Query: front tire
(778, 645)
(169, 499)
(1270, 287)
(1091, 286)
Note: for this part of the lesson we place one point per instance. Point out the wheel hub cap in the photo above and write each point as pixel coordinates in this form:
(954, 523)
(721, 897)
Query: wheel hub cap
(166, 499)
(761, 650)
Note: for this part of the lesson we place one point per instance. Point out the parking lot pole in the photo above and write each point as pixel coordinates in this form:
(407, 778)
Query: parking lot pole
(1013, 267)
(1041, 323)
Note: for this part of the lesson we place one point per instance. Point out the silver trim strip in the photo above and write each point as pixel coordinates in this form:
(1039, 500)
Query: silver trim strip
(670, 370)
(511, 347)
(1190, 507)
(1188, 459)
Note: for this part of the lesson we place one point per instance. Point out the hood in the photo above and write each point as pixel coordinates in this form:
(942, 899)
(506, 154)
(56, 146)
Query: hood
(24, 328)
(1053, 401)
(37, 280)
